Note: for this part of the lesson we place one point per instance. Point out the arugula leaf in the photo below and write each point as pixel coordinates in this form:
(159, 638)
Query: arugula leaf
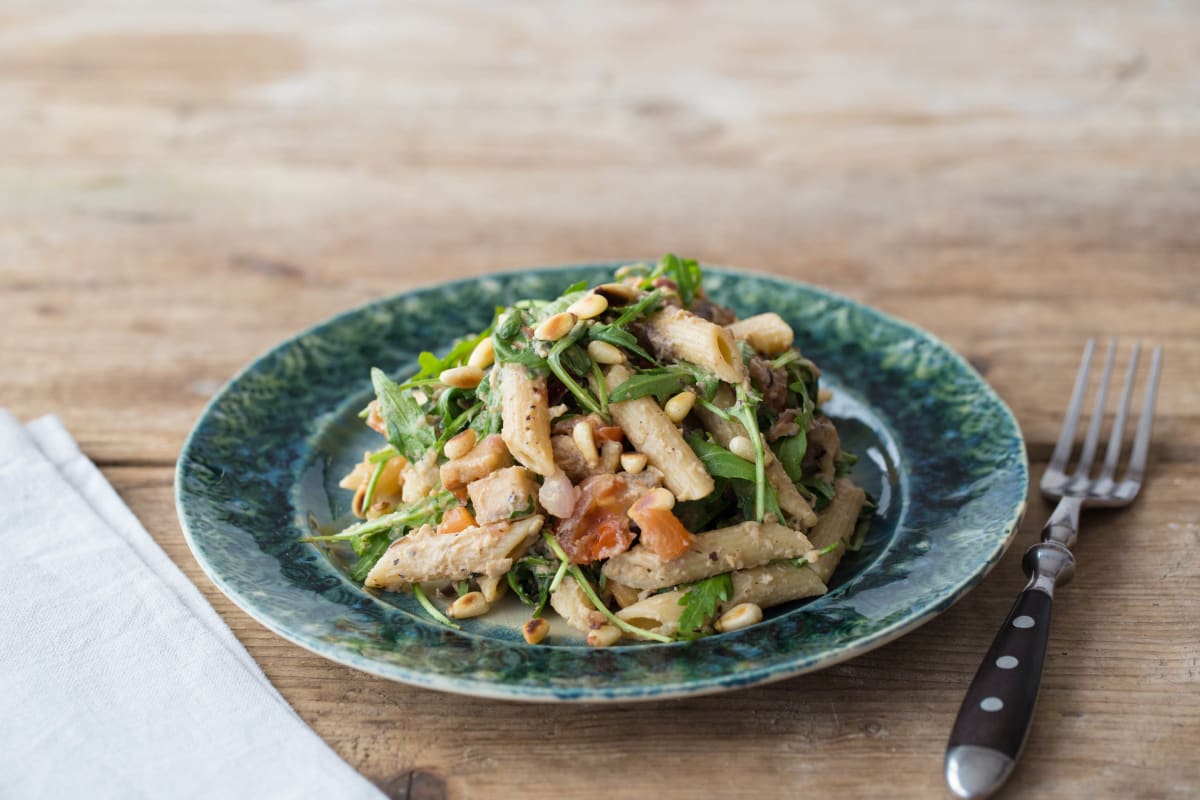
(555, 362)
(531, 579)
(427, 510)
(790, 452)
(407, 429)
(719, 462)
(686, 274)
(372, 549)
(663, 383)
(431, 366)
(619, 337)
(701, 602)
(821, 491)
(513, 346)
(488, 420)
(845, 463)
(647, 305)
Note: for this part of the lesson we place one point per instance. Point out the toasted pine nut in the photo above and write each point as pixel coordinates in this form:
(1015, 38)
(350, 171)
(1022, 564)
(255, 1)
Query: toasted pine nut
(467, 377)
(605, 353)
(617, 293)
(554, 327)
(379, 509)
(740, 616)
(604, 636)
(469, 605)
(588, 306)
(535, 630)
(679, 406)
(585, 441)
(484, 354)
(740, 446)
(633, 462)
(812, 556)
(824, 396)
(460, 445)
(659, 498)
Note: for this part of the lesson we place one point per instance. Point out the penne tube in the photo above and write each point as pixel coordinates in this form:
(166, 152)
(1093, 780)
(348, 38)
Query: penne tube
(426, 555)
(569, 601)
(741, 546)
(658, 613)
(652, 433)
(767, 333)
(681, 335)
(492, 587)
(526, 418)
(772, 584)
(836, 523)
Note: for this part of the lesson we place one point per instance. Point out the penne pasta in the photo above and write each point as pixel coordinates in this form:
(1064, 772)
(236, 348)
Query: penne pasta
(653, 434)
(836, 523)
(526, 418)
(767, 333)
(742, 546)
(678, 334)
(569, 601)
(772, 584)
(659, 613)
(426, 555)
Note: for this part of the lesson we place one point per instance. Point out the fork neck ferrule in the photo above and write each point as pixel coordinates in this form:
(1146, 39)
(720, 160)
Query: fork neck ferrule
(1063, 526)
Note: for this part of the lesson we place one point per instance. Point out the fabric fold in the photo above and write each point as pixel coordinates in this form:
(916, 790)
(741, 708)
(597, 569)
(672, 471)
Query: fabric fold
(121, 680)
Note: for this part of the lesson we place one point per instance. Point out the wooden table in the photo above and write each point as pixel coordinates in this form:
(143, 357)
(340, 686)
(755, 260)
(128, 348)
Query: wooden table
(183, 187)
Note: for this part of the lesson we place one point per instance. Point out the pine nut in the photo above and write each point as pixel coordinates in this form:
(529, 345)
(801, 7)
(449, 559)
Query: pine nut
(467, 377)
(469, 605)
(740, 446)
(633, 462)
(659, 499)
(679, 406)
(379, 509)
(535, 630)
(554, 327)
(605, 353)
(740, 616)
(824, 396)
(484, 354)
(585, 440)
(604, 636)
(617, 293)
(588, 306)
(460, 445)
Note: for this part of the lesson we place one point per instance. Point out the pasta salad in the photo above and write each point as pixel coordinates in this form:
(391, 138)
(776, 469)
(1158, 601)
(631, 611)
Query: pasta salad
(630, 455)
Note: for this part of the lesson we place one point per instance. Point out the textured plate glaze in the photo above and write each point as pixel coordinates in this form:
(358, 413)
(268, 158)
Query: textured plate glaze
(941, 451)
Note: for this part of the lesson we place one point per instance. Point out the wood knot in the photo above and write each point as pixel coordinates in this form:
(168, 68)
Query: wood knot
(414, 784)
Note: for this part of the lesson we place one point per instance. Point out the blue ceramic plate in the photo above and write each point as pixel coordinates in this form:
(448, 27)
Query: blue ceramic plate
(938, 448)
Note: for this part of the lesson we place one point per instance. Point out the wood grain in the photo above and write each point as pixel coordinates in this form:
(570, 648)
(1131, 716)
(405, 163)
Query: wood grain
(181, 188)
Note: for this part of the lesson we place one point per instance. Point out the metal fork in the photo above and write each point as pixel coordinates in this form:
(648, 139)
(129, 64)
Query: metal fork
(994, 719)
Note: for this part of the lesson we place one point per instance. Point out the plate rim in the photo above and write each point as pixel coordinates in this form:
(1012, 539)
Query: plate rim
(482, 688)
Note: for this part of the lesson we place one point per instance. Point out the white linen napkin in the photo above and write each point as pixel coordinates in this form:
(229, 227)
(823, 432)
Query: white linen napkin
(119, 679)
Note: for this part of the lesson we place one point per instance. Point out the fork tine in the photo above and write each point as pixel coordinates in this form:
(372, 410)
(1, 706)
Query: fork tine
(1066, 439)
(1113, 454)
(1141, 442)
(1093, 432)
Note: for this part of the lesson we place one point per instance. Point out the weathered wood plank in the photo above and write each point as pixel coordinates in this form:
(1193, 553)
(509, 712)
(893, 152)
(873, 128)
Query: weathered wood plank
(181, 188)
